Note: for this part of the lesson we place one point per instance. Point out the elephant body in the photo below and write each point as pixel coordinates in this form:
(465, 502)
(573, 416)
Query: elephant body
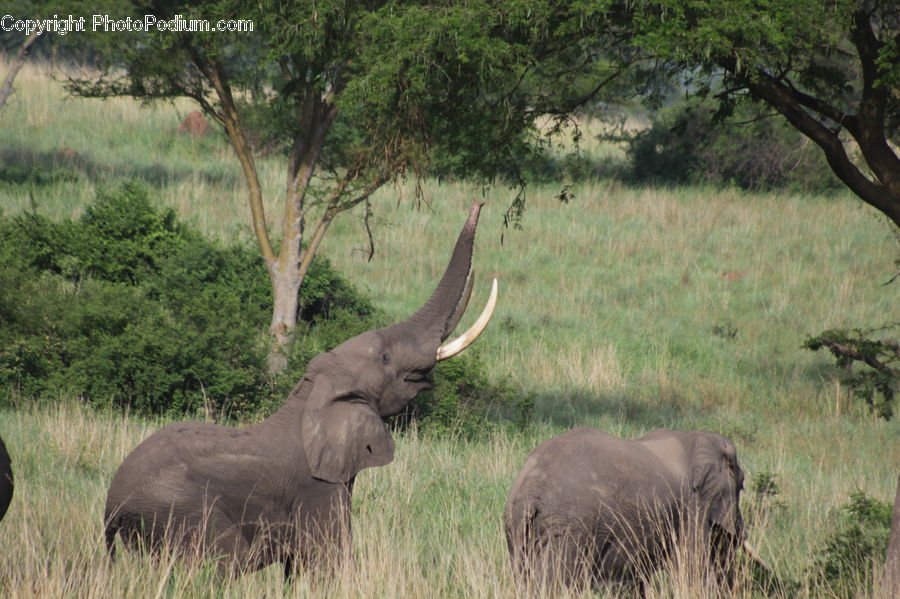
(588, 507)
(6, 480)
(280, 491)
(184, 488)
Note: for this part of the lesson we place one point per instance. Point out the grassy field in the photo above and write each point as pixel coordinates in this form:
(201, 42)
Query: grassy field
(627, 309)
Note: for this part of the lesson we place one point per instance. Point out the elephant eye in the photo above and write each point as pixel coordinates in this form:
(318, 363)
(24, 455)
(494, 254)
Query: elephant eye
(385, 359)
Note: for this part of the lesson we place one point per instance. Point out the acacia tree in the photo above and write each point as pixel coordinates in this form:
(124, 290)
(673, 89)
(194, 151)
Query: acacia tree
(354, 93)
(6, 88)
(830, 67)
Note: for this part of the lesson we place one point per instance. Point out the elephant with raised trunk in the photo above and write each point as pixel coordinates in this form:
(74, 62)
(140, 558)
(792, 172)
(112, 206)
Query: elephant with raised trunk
(588, 507)
(279, 491)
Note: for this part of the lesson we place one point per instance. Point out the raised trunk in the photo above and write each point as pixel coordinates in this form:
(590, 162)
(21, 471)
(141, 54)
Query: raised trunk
(436, 319)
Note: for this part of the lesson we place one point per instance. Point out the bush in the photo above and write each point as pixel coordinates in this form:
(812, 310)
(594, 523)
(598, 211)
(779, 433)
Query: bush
(464, 403)
(877, 381)
(687, 143)
(127, 307)
(854, 549)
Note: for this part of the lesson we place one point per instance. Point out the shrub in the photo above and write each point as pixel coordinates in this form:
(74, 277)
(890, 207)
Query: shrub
(127, 307)
(34, 175)
(463, 402)
(688, 143)
(854, 549)
(878, 379)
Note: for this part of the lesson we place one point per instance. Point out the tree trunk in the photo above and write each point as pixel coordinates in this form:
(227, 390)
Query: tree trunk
(821, 121)
(285, 302)
(287, 269)
(7, 89)
(890, 582)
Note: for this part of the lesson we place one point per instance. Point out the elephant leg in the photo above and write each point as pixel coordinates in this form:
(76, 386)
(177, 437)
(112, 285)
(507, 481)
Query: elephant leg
(289, 569)
(620, 568)
(562, 560)
(234, 555)
(216, 536)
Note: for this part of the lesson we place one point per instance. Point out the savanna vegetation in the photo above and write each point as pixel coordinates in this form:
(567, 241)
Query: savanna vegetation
(632, 307)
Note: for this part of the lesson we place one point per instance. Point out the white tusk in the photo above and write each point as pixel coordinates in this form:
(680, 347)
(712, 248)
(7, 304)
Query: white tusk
(751, 552)
(448, 350)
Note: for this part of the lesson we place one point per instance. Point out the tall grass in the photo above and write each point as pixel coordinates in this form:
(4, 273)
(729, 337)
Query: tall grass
(628, 309)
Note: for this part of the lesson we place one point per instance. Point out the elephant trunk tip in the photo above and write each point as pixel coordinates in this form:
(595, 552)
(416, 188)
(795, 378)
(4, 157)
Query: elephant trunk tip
(472, 222)
(436, 319)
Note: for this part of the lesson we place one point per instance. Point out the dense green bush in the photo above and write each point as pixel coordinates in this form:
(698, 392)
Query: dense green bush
(854, 549)
(464, 403)
(687, 143)
(127, 307)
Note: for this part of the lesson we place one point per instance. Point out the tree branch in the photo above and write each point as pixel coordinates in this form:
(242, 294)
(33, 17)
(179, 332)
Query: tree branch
(851, 352)
(869, 124)
(232, 122)
(7, 89)
(778, 95)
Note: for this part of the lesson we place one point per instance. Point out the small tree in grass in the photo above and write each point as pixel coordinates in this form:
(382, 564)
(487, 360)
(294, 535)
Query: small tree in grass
(877, 380)
(356, 94)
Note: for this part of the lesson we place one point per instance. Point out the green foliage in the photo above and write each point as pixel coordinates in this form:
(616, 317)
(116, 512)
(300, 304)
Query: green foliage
(764, 497)
(36, 175)
(819, 64)
(463, 402)
(765, 485)
(691, 143)
(854, 548)
(128, 307)
(411, 84)
(878, 381)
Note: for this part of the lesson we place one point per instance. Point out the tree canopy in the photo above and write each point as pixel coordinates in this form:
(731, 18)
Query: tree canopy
(831, 68)
(354, 93)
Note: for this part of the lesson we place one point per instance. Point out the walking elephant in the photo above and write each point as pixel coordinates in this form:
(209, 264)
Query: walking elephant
(280, 490)
(6, 480)
(588, 507)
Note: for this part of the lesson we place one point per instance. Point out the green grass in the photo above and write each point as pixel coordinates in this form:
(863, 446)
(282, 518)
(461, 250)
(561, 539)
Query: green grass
(627, 309)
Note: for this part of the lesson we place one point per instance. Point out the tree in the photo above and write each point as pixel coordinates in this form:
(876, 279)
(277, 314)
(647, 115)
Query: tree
(355, 93)
(6, 88)
(831, 68)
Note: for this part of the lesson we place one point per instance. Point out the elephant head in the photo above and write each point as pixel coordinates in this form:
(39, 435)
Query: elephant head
(716, 480)
(352, 388)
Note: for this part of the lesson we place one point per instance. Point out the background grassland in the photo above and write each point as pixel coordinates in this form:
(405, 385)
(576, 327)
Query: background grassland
(628, 309)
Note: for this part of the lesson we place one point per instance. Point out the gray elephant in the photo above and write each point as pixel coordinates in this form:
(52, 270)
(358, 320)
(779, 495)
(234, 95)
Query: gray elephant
(279, 491)
(588, 507)
(6, 480)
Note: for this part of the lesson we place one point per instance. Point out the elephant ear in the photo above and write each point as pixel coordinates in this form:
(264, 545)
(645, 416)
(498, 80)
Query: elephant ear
(342, 434)
(715, 483)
